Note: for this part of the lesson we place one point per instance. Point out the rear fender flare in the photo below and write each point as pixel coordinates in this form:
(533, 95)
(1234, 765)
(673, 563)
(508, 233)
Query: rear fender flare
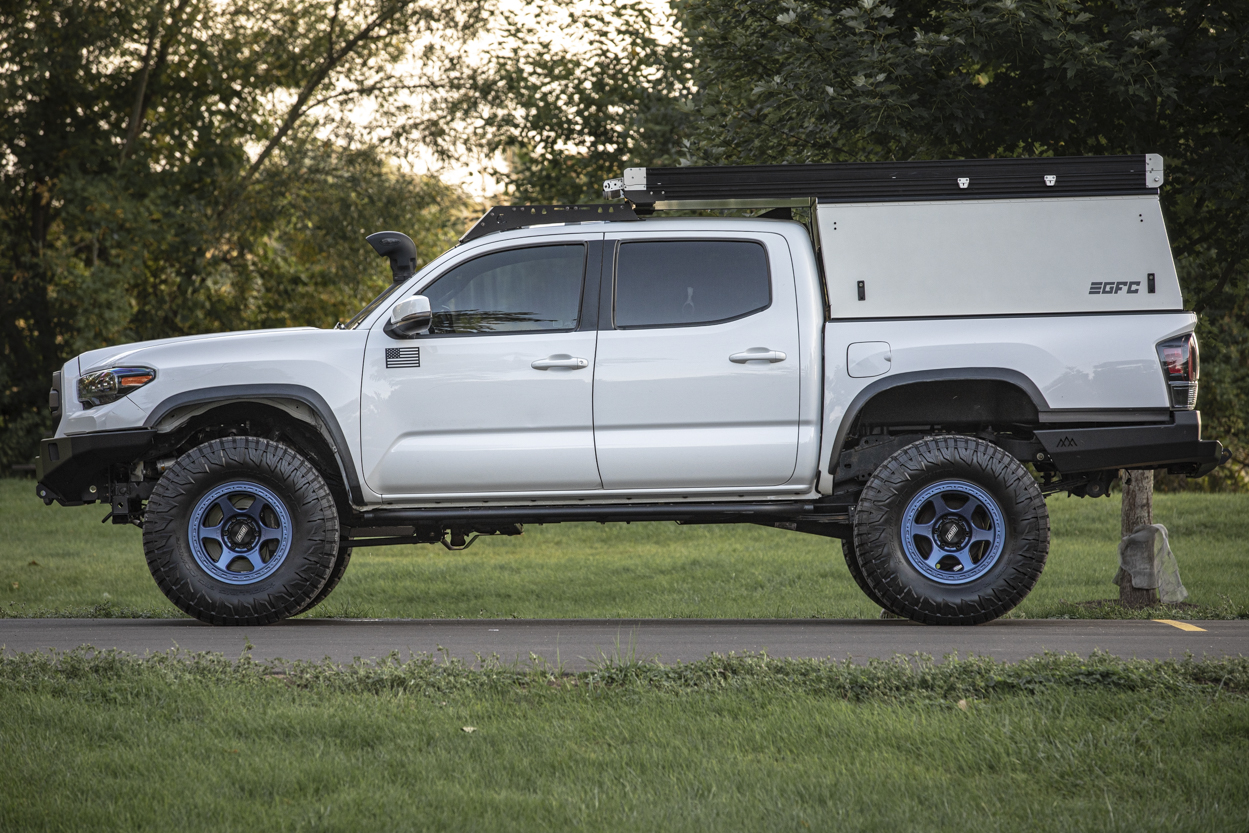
(960, 374)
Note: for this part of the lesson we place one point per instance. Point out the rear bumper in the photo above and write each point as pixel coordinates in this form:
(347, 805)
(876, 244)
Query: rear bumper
(1176, 446)
(75, 470)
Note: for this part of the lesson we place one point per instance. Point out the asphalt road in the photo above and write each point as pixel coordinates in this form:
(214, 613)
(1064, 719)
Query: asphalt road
(577, 643)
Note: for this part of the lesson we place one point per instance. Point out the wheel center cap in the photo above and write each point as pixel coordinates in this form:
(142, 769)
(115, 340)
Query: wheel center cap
(241, 534)
(951, 532)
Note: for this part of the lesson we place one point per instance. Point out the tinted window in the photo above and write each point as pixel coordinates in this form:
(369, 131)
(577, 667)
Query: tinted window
(519, 290)
(675, 282)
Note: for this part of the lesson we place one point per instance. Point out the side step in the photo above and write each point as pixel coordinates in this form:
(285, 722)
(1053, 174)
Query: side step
(377, 527)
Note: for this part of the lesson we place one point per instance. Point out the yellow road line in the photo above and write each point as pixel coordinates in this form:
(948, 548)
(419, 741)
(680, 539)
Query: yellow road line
(1184, 626)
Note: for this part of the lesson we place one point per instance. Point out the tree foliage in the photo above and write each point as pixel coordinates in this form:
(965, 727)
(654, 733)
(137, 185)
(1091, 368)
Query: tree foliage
(568, 93)
(180, 166)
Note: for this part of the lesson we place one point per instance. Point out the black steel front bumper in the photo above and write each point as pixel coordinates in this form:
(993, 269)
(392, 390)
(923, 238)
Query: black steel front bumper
(1176, 446)
(76, 469)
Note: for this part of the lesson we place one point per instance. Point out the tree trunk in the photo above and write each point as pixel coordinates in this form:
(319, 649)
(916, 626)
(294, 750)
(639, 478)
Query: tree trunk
(1138, 510)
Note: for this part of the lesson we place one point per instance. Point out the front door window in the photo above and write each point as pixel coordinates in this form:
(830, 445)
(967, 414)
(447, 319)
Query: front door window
(515, 291)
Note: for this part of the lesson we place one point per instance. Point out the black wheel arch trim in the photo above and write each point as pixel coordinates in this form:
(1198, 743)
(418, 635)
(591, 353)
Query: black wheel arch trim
(243, 393)
(960, 374)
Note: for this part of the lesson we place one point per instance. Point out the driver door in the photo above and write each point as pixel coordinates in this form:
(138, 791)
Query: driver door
(497, 398)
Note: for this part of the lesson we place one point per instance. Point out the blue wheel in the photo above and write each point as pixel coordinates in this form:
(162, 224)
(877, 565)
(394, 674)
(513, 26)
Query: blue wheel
(240, 532)
(953, 531)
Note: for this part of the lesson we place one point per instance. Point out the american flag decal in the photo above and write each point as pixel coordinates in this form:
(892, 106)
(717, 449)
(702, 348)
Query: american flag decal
(403, 357)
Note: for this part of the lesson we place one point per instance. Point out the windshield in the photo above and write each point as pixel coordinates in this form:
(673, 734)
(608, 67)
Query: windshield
(372, 305)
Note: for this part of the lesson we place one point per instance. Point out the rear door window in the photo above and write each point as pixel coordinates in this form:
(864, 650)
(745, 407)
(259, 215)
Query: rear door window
(682, 283)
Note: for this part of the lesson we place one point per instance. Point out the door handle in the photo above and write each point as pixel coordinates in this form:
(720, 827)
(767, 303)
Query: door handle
(758, 355)
(560, 360)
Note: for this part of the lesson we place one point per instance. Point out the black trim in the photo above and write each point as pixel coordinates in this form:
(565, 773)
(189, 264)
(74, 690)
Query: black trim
(687, 512)
(1177, 444)
(510, 217)
(68, 468)
(242, 393)
(1009, 195)
(899, 181)
(56, 398)
(1104, 415)
(591, 286)
(999, 374)
(607, 286)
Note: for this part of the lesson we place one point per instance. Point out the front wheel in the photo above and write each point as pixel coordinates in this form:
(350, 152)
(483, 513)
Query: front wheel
(951, 531)
(241, 531)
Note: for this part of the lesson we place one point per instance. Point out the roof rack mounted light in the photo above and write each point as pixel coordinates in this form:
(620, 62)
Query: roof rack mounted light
(759, 186)
(510, 217)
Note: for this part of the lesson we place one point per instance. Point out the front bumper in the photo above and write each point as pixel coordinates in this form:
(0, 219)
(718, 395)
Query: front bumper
(1176, 446)
(76, 469)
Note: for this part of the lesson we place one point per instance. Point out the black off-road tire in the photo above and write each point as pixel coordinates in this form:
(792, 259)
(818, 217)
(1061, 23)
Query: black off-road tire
(856, 572)
(878, 540)
(336, 575)
(314, 534)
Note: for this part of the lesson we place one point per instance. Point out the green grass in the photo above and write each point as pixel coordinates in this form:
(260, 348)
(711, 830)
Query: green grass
(746, 743)
(642, 570)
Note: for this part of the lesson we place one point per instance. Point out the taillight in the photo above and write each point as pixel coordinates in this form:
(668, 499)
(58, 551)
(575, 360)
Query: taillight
(1181, 367)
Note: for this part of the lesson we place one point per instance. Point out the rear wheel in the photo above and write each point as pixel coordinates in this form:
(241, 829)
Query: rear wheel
(951, 530)
(241, 531)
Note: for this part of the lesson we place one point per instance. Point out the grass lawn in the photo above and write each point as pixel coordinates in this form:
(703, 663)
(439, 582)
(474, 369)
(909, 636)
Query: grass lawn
(745, 743)
(82, 567)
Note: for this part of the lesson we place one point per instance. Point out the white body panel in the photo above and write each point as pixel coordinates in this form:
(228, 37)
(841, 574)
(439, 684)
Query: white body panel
(476, 416)
(326, 362)
(1079, 363)
(996, 257)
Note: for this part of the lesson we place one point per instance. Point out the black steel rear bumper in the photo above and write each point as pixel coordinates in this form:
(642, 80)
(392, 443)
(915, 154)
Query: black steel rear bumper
(75, 470)
(1176, 446)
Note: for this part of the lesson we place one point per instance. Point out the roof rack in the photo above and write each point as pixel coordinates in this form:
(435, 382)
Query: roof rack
(761, 186)
(509, 217)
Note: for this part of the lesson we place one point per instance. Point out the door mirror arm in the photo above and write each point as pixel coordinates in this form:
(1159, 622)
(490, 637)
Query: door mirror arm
(410, 318)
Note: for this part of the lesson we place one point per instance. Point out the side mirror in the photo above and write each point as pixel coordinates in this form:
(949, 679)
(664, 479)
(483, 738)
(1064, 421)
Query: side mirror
(410, 317)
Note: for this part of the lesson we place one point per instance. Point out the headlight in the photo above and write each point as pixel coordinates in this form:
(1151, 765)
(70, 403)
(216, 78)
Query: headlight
(104, 386)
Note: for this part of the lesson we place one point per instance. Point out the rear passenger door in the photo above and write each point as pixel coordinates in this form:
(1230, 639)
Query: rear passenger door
(696, 378)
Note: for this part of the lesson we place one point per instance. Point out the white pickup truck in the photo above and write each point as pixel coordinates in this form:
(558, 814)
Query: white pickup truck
(909, 367)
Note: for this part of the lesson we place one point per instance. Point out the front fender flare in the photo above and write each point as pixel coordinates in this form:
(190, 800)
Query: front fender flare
(299, 393)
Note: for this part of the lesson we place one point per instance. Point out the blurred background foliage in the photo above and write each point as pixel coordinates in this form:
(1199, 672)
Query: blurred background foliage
(184, 166)
(178, 166)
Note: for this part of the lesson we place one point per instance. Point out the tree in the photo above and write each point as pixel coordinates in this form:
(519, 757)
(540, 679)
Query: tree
(176, 166)
(567, 94)
(800, 81)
